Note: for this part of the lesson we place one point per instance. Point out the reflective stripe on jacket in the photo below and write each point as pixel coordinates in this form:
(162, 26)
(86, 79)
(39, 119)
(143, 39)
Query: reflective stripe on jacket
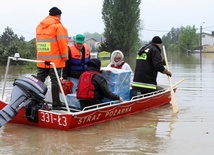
(76, 61)
(144, 85)
(51, 42)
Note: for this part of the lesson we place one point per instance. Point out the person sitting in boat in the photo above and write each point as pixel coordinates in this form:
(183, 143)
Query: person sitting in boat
(92, 87)
(117, 61)
(148, 63)
(79, 55)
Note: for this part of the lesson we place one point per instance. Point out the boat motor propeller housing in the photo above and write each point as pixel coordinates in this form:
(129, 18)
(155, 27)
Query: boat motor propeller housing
(27, 89)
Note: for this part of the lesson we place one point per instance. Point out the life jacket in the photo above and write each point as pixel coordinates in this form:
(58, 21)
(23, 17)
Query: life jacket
(77, 62)
(85, 88)
(66, 86)
(118, 66)
(51, 42)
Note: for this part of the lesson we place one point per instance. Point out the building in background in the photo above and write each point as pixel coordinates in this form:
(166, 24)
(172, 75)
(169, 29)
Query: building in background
(90, 42)
(207, 42)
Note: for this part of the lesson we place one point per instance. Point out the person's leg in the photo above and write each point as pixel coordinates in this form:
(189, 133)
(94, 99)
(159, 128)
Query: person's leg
(146, 90)
(43, 73)
(133, 92)
(137, 91)
(159, 87)
(55, 88)
(86, 103)
(83, 104)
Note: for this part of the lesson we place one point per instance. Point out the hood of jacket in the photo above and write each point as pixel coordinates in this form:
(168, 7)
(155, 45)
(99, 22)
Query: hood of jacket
(119, 54)
(49, 20)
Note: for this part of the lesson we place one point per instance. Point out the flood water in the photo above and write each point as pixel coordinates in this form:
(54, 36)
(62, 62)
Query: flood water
(154, 132)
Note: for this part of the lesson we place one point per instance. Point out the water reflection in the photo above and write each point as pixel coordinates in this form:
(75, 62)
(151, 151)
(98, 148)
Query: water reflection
(142, 133)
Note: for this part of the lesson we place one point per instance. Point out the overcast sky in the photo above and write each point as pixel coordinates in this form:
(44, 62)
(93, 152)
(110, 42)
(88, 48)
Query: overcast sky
(80, 16)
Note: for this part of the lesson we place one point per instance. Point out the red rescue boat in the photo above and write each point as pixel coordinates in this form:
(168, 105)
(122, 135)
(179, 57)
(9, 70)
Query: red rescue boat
(68, 118)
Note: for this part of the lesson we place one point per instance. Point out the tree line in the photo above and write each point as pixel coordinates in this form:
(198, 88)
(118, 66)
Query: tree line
(10, 44)
(122, 28)
(182, 39)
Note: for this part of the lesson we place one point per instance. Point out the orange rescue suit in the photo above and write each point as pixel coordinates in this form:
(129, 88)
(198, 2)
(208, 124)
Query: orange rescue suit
(51, 42)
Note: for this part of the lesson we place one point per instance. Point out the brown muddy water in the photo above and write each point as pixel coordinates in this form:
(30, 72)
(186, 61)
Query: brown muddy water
(154, 132)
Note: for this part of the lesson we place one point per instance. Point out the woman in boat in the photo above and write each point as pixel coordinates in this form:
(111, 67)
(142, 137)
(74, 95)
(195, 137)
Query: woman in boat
(117, 61)
(92, 87)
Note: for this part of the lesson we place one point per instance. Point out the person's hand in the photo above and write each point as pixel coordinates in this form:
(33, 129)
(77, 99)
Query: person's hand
(168, 73)
(48, 63)
(121, 99)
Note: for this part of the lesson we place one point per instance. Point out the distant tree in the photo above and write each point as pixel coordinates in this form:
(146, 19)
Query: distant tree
(122, 25)
(30, 49)
(171, 38)
(188, 39)
(10, 44)
(8, 36)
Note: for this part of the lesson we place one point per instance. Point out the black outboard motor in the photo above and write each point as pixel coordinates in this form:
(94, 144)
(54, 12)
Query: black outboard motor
(27, 89)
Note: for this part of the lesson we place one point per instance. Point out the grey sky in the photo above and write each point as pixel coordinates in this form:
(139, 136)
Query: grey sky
(158, 16)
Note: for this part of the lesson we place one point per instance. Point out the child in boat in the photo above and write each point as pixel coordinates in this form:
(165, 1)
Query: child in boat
(97, 88)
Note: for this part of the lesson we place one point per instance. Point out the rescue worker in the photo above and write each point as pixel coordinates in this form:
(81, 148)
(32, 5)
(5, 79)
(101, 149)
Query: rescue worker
(148, 63)
(79, 55)
(52, 46)
(100, 90)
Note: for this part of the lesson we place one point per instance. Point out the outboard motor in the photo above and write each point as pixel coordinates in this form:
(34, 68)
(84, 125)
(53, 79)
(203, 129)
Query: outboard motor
(27, 89)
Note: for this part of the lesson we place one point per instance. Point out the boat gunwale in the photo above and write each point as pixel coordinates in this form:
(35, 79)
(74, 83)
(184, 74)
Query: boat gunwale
(101, 106)
(138, 98)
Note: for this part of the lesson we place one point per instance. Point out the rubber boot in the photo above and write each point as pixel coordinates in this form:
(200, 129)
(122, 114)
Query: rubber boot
(55, 96)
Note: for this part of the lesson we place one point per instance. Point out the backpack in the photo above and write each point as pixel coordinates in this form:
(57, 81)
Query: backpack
(85, 88)
(66, 86)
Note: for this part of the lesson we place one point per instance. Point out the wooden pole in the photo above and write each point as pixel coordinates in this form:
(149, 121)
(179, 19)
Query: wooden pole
(172, 93)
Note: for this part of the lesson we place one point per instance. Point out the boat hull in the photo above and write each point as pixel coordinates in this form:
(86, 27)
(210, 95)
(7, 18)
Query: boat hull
(63, 120)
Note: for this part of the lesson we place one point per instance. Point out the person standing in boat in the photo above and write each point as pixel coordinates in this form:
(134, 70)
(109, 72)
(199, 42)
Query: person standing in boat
(148, 63)
(52, 46)
(98, 86)
(79, 55)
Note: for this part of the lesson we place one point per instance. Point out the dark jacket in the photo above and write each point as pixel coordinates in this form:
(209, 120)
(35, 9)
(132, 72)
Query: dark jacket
(148, 63)
(101, 90)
